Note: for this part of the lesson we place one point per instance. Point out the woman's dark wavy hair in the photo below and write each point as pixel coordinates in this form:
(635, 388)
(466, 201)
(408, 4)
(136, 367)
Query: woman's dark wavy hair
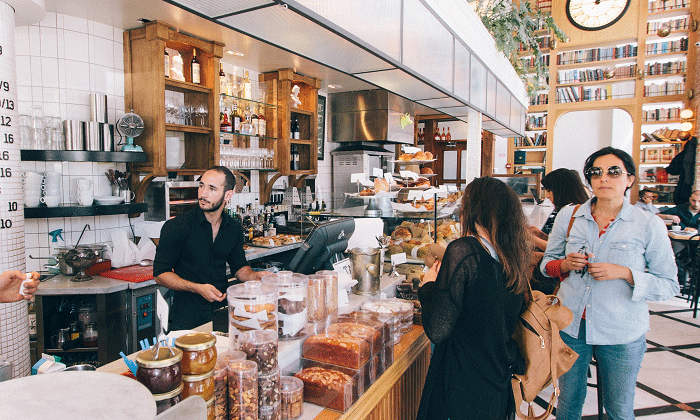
(620, 154)
(566, 187)
(494, 206)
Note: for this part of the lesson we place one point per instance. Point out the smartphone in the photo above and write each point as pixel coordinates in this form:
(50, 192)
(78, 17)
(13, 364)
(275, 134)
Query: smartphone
(536, 196)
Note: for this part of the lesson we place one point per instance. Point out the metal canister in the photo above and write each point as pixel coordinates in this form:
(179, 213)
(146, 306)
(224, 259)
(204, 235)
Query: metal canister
(365, 269)
(74, 133)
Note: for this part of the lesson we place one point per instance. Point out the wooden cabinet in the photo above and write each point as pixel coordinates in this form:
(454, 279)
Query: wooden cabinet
(145, 86)
(279, 85)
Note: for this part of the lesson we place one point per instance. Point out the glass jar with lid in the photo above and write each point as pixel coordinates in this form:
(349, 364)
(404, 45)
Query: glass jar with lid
(260, 346)
(202, 385)
(292, 390)
(198, 352)
(291, 302)
(161, 374)
(167, 400)
(87, 315)
(251, 306)
(90, 335)
(243, 389)
(316, 304)
(331, 294)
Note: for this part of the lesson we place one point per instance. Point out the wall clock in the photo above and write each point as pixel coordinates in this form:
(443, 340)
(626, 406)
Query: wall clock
(593, 15)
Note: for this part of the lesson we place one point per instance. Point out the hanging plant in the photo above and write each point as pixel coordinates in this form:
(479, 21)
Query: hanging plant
(512, 25)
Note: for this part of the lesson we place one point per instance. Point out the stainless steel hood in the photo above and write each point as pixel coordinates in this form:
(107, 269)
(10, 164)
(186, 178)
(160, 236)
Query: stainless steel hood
(369, 116)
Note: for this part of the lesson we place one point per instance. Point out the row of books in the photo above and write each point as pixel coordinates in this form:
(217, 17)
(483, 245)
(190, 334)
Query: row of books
(660, 175)
(544, 42)
(658, 154)
(661, 114)
(534, 122)
(596, 54)
(663, 5)
(584, 94)
(530, 61)
(661, 135)
(665, 88)
(667, 46)
(534, 140)
(673, 24)
(539, 99)
(669, 67)
(587, 75)
(543, 5)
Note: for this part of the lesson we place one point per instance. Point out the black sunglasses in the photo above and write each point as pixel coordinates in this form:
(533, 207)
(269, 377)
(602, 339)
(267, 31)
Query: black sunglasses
(583, 251)
(613, 172)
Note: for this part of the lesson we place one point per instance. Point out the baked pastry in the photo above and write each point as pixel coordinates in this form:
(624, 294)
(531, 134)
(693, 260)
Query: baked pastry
(422, 182)
(327, 387)
(401, 233)
(367, 192)
(428, 156)
(426, 171)
(380, 184)
(405, 157)
(346, 345)
(420, 156)
(360, 331)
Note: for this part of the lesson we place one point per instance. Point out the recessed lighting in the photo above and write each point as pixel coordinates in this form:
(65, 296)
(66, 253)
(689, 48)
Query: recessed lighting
(235, 53)
(334, 86)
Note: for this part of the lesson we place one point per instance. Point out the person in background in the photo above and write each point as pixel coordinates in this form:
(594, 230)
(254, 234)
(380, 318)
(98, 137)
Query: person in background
(646, 203)
(614, 259)
(683, 165)
(688, 213)
(194, 249)
(10, 282)
(471, 305)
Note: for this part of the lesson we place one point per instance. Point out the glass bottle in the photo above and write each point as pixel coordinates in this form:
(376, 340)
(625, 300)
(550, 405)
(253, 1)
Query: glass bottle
(294, 158)
(247, 93)
(236, 118)
(295, 129)
(443, 136)
(448, 137)
(245, 121)
(254, 120)
(225, 124)
(222, 79)
(436, 136)
(195, 68)
(262, 123)
(166, 62)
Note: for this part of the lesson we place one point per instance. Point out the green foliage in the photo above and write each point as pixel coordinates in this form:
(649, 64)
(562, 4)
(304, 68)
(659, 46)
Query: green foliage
(510, 25)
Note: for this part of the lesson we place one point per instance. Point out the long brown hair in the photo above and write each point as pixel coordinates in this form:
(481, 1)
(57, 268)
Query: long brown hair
(494, 206)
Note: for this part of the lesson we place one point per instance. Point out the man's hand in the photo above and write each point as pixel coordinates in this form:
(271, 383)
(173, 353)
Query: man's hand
(210, 293)
(10, 282)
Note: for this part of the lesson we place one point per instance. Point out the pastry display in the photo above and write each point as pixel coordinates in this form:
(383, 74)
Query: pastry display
(401, 233)
(381, 184)
(327, 387)
(292, 397)
(243, 389)
(367, 192)
(346, 344)
(276, 240)
(252, 306)
(261, 347)
(291, 303)
(418, 156)
(426, 171)
(269, 389)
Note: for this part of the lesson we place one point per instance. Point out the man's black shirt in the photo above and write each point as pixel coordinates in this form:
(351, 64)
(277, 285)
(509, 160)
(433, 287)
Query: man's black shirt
(186, 247)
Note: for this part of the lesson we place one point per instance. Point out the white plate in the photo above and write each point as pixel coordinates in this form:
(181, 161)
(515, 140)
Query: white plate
(108, 200)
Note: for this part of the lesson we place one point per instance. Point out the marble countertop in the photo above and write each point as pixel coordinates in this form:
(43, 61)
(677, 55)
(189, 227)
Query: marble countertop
(62, 285)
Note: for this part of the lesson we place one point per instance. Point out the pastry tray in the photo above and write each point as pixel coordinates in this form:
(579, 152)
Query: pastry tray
(413, 162)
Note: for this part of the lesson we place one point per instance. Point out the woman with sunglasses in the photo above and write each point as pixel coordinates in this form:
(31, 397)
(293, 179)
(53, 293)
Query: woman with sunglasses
(471, 305)
(614, 259)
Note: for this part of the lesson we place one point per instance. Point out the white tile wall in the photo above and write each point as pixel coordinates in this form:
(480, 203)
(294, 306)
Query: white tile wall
(60, 62)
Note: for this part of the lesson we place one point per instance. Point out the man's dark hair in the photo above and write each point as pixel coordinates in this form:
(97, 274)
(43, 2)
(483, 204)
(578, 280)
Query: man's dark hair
(644, 191)
(229, 179)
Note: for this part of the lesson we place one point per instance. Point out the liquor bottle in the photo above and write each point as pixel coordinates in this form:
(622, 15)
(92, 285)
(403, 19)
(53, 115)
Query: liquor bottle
(436, 135)
(323, 205)
(225, 124)
(442, 136)
(448, 137)
(262, 123)
(222, 79)
(166, 58)
(295, 129)
(195, 68)
(247, 94)
(294, 158)
(254, 120)
(236, 118)
(245, 121)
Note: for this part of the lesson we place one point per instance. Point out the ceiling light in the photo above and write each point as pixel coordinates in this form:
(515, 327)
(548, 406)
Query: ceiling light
(334, 86)
(235, 53)
(687, 113)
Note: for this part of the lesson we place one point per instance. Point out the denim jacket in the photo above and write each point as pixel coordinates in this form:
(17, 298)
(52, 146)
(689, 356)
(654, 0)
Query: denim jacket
(616, 312)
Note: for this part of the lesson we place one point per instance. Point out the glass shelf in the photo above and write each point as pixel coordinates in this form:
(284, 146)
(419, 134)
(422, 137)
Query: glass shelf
(236, 98)
(249, 135)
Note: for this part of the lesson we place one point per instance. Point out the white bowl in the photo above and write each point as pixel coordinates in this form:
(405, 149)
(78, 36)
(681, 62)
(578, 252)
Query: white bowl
(106, 200)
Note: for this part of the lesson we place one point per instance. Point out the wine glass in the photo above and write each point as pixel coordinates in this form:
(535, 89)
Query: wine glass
(170, 108)
(203, 111)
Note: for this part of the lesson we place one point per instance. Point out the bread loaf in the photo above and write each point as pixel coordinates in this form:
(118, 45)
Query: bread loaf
(343, 344)
(327, 387)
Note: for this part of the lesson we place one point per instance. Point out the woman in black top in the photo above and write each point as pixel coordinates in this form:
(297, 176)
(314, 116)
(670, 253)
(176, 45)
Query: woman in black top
(471, 309)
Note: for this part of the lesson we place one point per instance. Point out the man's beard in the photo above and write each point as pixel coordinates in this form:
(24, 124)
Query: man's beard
(216, 206)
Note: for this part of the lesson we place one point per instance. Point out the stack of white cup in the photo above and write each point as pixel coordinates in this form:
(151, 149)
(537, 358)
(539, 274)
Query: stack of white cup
(86, 195)
(33, 182)
(51, 187)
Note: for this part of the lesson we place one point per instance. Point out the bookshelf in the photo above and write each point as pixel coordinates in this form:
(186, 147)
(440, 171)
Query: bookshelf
(642, 64)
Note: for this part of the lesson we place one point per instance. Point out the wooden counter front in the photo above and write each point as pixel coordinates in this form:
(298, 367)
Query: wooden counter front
(396, 394)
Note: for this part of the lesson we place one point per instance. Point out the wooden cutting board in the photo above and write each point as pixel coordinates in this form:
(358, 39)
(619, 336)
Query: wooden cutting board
(131, 273)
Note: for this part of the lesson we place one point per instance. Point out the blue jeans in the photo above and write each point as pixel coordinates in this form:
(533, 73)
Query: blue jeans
(619, 365)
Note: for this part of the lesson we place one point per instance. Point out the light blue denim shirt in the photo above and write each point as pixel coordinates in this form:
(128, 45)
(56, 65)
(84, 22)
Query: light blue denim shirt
(616, 312)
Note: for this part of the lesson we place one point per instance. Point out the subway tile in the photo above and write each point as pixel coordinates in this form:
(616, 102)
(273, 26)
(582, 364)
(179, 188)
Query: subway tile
(54, 166)
(21, 41)
(118, 35)
(49, 42)
(60, 44)
(77, 112)
(37, 95)
(34, 41)
(52, 94)
(91, 49)
(32, 265)
(43, 239)
(103, 31)
(77, 75)
(118, 55)
(77, 97)
(76, 46)
(49, 72)
(42, 224)
(35, 69)
(23, 68)
(24, 97)
(59, 21)
(103, 51)
(99, 80)
(31, 226)
(51, 109)
(28, 166)
(56, 223)
(81, 168)
(75, 24)
(78, 223)
(62, 73)
(69, 193)
(49, 21)
(41, 166)
(31, 240)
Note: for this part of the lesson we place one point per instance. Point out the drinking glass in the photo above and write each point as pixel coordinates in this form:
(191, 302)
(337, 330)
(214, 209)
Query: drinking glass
(203, 112)
(25, 132)
(169, 108)
(38, 134)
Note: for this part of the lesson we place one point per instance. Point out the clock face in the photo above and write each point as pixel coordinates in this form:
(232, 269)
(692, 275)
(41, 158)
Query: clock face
(592, 15)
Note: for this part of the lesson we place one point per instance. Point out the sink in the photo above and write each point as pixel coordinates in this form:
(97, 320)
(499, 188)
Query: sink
(45, 276)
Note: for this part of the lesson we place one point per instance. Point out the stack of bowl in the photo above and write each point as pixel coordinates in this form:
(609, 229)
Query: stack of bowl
(161, 373)
(32, 185)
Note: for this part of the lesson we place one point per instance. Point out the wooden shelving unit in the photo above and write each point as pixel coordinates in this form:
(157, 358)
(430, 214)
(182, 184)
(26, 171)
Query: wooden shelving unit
(145, 85)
